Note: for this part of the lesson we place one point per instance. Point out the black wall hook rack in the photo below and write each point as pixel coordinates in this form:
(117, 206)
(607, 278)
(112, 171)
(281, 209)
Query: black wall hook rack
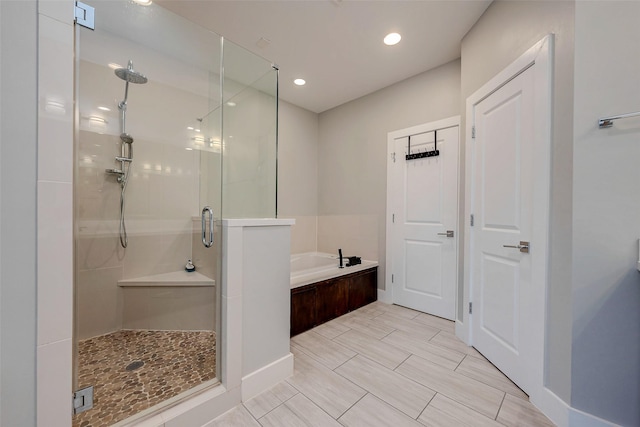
(432, 153)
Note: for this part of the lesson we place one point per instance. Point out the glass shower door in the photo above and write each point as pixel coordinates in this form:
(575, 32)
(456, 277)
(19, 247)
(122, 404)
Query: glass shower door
(148, 160)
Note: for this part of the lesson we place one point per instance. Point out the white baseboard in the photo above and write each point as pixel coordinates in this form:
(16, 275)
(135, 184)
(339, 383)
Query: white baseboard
(577, 418)
(462, 332)
(556, 409)
(266, 377)
(385, 296)
(563, 415)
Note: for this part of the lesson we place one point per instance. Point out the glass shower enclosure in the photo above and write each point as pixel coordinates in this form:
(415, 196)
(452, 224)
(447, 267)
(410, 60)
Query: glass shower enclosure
(176, 129)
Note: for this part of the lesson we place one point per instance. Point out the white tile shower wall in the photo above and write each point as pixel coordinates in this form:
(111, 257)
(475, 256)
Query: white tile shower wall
(55, 272)
(161, 196)
(100, 308)
(54, 251)
(54, 381)
(156, 253)
(169, 308)
(55, 120)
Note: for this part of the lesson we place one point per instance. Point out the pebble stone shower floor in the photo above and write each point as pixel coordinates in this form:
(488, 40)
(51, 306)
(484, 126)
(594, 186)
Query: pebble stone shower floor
(161, 365)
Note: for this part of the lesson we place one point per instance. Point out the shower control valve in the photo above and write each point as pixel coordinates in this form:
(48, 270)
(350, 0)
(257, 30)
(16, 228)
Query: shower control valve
(117, 172)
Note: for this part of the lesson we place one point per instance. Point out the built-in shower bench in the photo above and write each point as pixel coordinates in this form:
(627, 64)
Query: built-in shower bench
(175, 278)
(176, 301)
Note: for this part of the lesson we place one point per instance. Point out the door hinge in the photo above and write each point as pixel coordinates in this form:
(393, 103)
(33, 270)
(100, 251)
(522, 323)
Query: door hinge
(473, 132)
(85, 15)
(83, 400)
(471, 220)
(392, 278)
(470, 308)
(393, 156)
(393, 218)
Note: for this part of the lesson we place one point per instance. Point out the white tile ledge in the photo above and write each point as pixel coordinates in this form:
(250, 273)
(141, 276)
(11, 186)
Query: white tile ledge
(175, 278)
(257, 222)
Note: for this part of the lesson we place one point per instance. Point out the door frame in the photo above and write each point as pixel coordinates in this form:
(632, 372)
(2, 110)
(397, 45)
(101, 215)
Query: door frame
(387, 296)
(540, 55)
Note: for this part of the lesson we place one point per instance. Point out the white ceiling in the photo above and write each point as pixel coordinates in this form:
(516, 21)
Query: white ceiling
(336, 46)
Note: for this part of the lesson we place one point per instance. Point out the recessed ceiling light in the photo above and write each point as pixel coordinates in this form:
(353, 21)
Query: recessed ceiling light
(104, 108)
(189, 149)
(231, 104)
(189, 127)
(114, 66)
(392, 38)
(143, 2)
(299, 82)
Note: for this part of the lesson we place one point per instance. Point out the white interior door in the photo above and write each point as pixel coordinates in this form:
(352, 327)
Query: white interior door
(424, 214)
(502, 294)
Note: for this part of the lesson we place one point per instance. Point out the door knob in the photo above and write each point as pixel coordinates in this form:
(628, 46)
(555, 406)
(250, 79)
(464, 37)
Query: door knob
(449, 233)
(523, 246)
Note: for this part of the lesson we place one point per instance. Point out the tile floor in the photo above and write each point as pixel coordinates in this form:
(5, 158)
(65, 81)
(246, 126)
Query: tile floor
(385, 365)
(169, 362)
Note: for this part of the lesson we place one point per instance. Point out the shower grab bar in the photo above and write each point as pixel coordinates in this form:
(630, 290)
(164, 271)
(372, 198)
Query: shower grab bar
(207, 242)
(607, 122)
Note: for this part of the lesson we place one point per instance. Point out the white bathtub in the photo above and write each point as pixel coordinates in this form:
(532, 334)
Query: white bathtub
(313, 267)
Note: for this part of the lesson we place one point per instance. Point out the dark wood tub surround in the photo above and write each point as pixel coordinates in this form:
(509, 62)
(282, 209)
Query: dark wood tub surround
(317, 303)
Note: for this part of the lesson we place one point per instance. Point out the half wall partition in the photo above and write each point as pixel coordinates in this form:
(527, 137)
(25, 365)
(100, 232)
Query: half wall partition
(176, 129)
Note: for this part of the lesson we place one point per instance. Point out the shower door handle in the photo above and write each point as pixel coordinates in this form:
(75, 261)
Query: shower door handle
(207, 242)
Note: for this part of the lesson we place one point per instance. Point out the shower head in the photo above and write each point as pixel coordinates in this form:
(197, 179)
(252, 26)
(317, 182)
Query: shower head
(130, 75)
(126, 138)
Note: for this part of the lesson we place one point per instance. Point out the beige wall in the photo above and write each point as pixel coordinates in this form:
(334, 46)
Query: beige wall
(606, 220)
(249, 161)
(18, 115)
(505, 31)
(352, 159)
(298, 174)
